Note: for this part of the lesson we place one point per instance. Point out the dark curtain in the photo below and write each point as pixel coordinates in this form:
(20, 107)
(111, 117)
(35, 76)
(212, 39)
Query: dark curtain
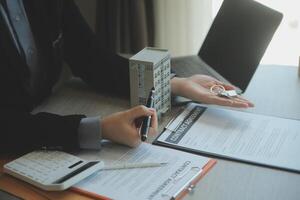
(125, 26)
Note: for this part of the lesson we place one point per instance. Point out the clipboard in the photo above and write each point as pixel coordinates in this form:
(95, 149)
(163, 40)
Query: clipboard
(215, 122)
(171, 181)
(24, 190)
(189, 187)
(180, 194)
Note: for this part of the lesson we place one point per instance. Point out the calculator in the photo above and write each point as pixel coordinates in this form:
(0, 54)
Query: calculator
(51, 170)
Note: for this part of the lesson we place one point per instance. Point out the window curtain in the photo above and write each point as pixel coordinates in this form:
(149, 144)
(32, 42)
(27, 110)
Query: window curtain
(127, 26)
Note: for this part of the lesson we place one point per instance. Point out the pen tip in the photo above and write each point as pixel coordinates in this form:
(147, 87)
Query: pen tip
(144, 138)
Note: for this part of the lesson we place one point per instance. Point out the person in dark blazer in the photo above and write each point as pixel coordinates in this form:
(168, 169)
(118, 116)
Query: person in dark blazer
(36, 36)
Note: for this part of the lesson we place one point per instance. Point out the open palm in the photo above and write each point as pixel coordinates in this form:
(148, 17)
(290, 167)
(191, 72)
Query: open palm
(197, 88)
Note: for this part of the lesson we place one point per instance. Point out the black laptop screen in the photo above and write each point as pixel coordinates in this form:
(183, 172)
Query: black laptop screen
(238, 38)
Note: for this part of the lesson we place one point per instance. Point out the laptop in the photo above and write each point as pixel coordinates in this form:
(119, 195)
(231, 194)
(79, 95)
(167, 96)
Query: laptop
(234, 44)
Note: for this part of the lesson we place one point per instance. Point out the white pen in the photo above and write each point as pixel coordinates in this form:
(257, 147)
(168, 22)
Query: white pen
(133, 165)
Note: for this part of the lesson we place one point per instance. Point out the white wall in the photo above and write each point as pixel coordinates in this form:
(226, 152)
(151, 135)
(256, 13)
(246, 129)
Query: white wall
(181, 25)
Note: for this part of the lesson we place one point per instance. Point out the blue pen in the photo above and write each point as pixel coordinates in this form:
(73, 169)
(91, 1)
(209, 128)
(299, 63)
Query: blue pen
(147, 120)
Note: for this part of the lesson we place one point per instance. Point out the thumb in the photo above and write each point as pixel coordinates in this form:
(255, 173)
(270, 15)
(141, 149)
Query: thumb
(226, 86)
(229, 87)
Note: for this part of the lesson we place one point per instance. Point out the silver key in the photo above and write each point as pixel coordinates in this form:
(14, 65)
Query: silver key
(228, 94)
(231, 93)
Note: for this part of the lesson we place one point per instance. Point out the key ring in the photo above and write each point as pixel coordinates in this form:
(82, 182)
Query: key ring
(217, 89)
(220, 91)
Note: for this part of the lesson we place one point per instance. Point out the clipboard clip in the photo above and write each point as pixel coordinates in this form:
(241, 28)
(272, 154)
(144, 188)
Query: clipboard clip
(191, 188)
(187, 187)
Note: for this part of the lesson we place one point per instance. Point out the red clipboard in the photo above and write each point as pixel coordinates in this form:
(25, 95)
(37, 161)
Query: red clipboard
(90, 194)
(193, 183)
(185, 190)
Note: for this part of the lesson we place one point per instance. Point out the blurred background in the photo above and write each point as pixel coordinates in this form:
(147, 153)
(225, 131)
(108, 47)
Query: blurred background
(127, 26)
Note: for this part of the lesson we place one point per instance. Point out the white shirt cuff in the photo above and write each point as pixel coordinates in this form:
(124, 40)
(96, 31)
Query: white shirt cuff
(89, 133)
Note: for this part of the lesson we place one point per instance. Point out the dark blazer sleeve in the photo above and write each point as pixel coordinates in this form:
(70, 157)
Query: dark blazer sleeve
(98, 67)
(22, 131)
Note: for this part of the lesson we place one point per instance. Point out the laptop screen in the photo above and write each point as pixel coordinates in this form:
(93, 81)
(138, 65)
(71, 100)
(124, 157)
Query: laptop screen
(238, 38)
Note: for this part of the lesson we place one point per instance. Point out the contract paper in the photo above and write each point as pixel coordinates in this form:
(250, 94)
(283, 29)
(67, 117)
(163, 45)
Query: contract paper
(259, 139)
(142, 183)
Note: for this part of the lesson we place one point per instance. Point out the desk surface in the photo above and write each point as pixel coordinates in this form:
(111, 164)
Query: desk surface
(227, 180)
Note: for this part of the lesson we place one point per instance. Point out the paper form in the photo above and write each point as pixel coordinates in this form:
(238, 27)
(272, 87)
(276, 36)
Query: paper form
(142, 183)
(284, 101)
(237, 135)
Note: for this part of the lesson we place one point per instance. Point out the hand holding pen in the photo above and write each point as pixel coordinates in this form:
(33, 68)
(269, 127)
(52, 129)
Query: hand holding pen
(124, 127)
(147, 120)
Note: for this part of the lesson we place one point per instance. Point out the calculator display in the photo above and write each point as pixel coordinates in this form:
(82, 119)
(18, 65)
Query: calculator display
(77, 171)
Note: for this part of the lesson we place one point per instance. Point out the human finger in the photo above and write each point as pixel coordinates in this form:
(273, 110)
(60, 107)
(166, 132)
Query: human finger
(139, 111)
(236, 99)
(132, 136)
(138, 122)
(154, 123)
(228, 86)
(228, 102)
(242, 101)
(245, 100)
(225, 85)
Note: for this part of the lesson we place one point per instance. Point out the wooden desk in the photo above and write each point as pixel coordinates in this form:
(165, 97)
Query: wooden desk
(227, 180)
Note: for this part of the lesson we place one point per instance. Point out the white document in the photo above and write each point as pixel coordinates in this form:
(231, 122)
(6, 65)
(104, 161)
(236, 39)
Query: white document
(284, 101)
(142, 183)
(237, 135)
